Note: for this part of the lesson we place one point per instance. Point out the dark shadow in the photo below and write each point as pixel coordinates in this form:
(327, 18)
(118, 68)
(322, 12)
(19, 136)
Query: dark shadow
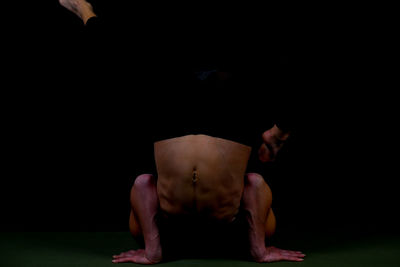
(103, 244)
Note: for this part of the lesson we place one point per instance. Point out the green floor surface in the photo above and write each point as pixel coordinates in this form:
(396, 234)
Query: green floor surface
(96, 248)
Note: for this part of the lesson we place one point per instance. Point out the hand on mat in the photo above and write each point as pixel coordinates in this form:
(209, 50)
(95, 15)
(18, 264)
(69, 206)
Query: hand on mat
(135, 256)
(276, 254)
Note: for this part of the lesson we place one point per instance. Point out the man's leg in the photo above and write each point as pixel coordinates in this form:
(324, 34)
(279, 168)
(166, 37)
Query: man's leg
(145, 206)
(257, 200)
(81, 8)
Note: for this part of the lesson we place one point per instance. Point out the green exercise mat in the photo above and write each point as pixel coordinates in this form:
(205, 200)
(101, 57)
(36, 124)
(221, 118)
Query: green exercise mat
(96, 249)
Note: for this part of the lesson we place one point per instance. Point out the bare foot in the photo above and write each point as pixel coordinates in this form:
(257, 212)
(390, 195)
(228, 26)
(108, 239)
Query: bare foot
(81, 8)
(72, 5)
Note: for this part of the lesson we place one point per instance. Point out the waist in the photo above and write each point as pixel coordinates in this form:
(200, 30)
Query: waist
(200, 174)
(190, 152)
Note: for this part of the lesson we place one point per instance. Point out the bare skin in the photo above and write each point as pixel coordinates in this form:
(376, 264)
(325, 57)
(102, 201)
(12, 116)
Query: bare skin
(81, 8)
(201, 174)
(142, 223)
(257, 200)
(273, 141)
(193, 173)
(207, 192)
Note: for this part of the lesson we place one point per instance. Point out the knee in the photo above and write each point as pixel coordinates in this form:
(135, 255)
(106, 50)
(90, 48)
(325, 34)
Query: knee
(143, 181)
(256, 181)
(142, 184)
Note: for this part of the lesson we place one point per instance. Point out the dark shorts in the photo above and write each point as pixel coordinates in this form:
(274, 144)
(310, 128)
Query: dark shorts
(187, 237)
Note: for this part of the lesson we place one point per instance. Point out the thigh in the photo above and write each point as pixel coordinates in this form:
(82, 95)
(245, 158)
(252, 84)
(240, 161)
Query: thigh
(134, 226)
(270, 224)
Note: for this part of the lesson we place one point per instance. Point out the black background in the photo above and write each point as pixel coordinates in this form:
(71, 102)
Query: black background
(63, 169)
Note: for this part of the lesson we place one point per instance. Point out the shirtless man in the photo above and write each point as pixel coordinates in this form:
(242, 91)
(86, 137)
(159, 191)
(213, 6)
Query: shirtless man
(202, 176)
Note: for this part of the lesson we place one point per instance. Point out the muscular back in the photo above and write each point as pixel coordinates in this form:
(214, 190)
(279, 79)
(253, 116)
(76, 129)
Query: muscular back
(200, 174)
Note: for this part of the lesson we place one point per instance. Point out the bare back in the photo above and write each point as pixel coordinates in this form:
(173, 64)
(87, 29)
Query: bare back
(200, 174)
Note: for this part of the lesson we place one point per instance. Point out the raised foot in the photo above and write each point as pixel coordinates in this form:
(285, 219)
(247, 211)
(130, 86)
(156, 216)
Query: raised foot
(81, 8)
